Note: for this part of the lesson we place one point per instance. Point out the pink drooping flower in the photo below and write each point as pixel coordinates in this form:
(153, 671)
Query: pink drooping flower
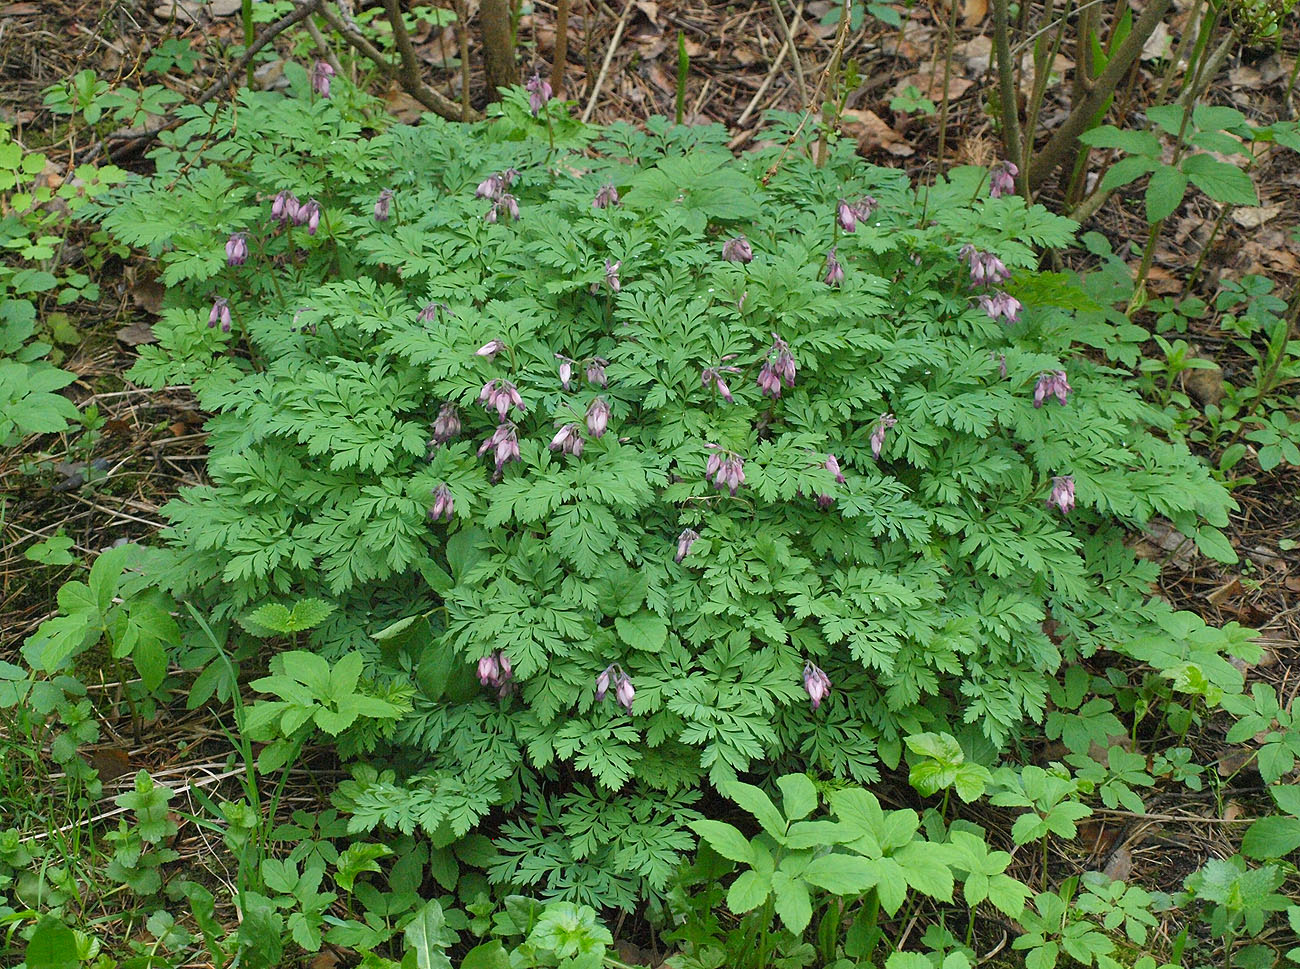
(285, 207)
(504, 205)
(737, 249)
(713, 375)
(1002, 179)
(726, 469)
(864, 207)
(778, 370)
(219, 314)
(431, 311)
(384, 205)
(539, 92)
(236, 249)
(833, 466)
(443, 504)
(566, 371)
(834, 271)
(816, 683)
(1051, 382)
(309, 215)
(490, 350)
(684, 542)
(611, 275)
(596, 372)
(1062, 495)
(986, 269)
(1001, 358)
(504, 445)
(500, 395)
(847, 218)
(1001, 306)
(885, 422)
(613, 676)
(321, 73)
(568, 440)
(496, 670)
(447, 424)
(494, 186)
(606, 196)
(597, 417)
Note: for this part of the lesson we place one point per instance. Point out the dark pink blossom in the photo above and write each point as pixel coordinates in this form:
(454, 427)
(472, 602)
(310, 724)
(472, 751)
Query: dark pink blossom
(566, 372)
(834, 271)
(284, 208)
(726, 469)
(443, 504)
(606, 196)
(833, 466)
(611, 275)
(539, 92)
(236, 249)
(1001, 306)
(684, 542)
(846, 216)
(500, 395)
(1062, 495)
(384, 205)
(321, 73)
(1052, 382)
(885, 422)
(568, 440)
(816, 683)
(624, 693)
(309, 215)
(490, 349)
(737, 250)
(596, 372)
(986, 269)
(613, 676)
(220, 315)
(1002, 179)
(504, 445)
(597, 417)
(447, 424)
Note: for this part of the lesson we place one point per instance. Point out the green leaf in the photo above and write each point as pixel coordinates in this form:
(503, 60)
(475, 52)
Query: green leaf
(839, 874)
(489, 955)
(748, 891)
(1215, 544)
(791, 901)
(1271, 837)
(394, 628)
(428, 937)
(798, 796)
(725, 840)
(53, 946)
(644, 631)
(1164, 192)
(1221, 181)
(753, 800)
(1126, 170)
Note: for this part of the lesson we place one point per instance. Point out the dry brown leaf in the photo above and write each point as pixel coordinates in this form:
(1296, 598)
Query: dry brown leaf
(931, 86)
(148, 294)
(1235, 760)
(973, 11)
(1252, 217)
(1119, 866)
(109, 762)
(1159, 46)
(1231, 811)
(1225, 592)
(19, 9)
(402, 106)
(1098, 837)
(873, 132)
(136, 334)
(977, 53)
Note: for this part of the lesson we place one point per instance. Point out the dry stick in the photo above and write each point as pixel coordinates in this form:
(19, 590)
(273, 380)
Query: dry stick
(1063, 140)
(794, 53)
(324, 46)
(841, 36)
(609, 56)
(949, 40)
(561, 62)
(409, 73)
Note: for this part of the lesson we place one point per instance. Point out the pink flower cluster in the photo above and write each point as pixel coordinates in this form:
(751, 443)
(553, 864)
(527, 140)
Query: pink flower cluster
(495, 670)
(494, 188)
(1001, 306)
(443, 504)
(986, 269)
(684, 542)
(816, 683)
(737, 250)
(726, 469)
(568, 440)
(1002, 179)
(885, 422)
(778, 369)
(834, 271)
(500, 395)
(539, 92)
(447, 424)
(614, 676)
(1062, 495)
(504, 445)
(606, 196)
(849, 214)
(1053, 382)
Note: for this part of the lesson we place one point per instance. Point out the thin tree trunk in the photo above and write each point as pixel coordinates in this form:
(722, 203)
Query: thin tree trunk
(498, 52)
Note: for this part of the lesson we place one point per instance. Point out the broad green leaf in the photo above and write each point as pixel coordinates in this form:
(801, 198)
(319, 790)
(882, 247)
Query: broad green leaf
(489, 955)
(748, 891)
(753, 800)
(724, 839)
(1126, 170)
(428, 937)
(798, 796)
(791, 901)
(644, 631)
(1271, 837)
(840, 874)
(1164, 192)
(1221, 181)
(53, 946)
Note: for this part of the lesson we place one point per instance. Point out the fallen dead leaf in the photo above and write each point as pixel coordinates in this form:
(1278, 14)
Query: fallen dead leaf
(1159, 45)
(977, 53)
(1160, 539)
(1252, 217)
(931, 86)
(873, 132)
(193, 10)
(973, 11)
(1119, 866)
(109, 762)
(1233, 761)
(148, 294)
(1098, 836)
(402, 106)
(19, 9)
(1231, 811)
(1225, 592)
(136, 334)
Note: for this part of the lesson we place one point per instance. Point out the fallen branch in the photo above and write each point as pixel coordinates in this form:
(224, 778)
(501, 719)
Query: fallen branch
(409, 72)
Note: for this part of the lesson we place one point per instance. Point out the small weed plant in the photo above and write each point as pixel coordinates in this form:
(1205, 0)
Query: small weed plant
(611, 464)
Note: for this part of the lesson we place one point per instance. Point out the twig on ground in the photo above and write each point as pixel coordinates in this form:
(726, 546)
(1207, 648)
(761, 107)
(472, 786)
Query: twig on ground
(323, 45)
(794, 51)
(561, 61)
(771, 76)
(409, 72)
(609, 56)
